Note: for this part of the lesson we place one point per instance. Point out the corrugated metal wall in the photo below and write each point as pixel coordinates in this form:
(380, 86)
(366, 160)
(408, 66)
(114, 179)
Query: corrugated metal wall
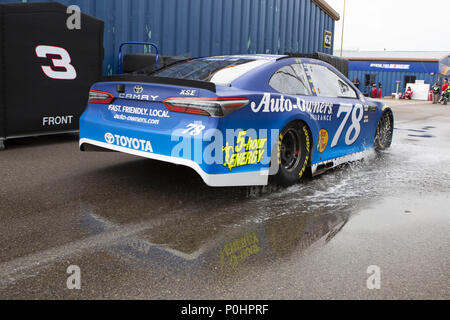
(210, 27)
(388, 79)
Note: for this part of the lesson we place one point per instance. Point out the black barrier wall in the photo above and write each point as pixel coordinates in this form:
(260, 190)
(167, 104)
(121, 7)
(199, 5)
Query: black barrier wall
(46, 68)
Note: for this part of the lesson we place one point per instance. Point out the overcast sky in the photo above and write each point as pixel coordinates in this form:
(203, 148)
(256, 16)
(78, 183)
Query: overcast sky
(413, 25)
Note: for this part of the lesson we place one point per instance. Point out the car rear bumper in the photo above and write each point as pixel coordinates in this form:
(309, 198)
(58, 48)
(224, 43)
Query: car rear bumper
(255, 178)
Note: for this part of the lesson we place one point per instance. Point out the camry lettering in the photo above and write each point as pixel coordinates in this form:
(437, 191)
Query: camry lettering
(133, 96)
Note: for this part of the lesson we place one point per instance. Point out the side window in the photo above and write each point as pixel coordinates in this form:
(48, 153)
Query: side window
(329, 84)
(291, 80)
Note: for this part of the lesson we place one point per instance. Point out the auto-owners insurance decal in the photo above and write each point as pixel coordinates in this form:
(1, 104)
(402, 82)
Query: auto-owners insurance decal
(319, 111)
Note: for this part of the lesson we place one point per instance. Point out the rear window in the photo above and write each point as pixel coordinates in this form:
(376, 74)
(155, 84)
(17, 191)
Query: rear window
(199, 69)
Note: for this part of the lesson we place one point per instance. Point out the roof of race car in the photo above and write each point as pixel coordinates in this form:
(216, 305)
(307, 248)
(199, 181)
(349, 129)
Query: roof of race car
(226, 75)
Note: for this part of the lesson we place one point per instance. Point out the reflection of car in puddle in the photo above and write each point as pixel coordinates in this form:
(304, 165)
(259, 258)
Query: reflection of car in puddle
(181, 223)
(300, 232)
(231, 247)
(282, 236)
(237, 251)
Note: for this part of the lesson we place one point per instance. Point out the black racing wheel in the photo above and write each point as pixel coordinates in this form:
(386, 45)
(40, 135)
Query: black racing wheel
(385, 132)
(294, 152)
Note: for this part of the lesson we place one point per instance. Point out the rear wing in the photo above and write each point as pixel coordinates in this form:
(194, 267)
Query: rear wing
(339, 63)
(160, 80)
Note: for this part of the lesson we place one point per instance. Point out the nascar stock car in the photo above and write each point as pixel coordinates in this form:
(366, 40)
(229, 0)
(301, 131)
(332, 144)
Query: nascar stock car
(240, 120)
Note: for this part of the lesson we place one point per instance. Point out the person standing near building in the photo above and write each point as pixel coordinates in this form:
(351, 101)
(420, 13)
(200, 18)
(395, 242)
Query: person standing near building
(409, 93)
(374, 93)
(446, 95)
(356, 83)
(445, 86)
(444, 91)
(436, 92)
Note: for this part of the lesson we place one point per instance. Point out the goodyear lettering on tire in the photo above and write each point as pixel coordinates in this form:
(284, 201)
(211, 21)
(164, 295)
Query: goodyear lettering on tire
(308, 150)
(280, 141)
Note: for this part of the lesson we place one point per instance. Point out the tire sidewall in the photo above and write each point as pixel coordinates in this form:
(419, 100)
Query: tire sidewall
(286, 178)
(379, 146)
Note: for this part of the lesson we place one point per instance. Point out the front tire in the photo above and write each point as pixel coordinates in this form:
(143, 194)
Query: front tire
(294, 152)
(385, 132)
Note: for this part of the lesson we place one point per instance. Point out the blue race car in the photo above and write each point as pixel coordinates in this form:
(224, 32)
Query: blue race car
(241, 120)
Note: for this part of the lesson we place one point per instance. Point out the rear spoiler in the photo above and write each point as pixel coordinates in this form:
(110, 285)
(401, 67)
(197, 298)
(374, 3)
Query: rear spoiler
(339, 63)
(160, 80)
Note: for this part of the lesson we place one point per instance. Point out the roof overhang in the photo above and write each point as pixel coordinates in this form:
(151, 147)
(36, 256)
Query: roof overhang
(322, 4)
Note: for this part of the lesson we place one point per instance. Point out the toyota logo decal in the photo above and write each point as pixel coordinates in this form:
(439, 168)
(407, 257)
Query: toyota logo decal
(138, 89)
(109, 138)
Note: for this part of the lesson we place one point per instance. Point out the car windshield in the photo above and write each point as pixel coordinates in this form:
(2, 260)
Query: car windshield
(203, 69)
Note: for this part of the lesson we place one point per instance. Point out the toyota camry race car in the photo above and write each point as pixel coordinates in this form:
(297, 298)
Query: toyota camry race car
(241, 120)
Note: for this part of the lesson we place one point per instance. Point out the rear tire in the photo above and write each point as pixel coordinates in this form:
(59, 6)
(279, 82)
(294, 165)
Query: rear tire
(294, 153)
(385, 132)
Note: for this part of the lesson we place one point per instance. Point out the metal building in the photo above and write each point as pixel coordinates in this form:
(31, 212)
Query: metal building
(397, 68)
(213, 27)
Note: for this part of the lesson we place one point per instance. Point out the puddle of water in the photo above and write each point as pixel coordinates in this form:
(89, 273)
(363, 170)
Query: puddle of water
(285, 220)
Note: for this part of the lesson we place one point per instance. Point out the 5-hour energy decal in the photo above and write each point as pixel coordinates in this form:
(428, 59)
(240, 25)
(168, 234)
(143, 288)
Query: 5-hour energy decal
(239, 250)
(246, 152)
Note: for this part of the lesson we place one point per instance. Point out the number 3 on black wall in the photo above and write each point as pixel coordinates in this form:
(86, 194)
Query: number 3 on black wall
(357, 113)
(63, 62)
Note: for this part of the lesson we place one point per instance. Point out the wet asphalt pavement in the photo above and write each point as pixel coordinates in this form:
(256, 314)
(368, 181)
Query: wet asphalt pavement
(140, 229)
